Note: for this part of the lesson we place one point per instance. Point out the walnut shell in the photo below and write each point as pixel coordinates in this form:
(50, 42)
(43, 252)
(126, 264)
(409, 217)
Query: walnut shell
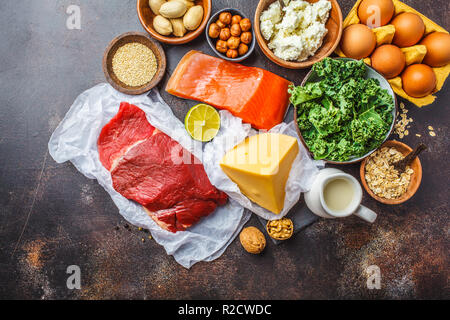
(281, 229)
(252, 240)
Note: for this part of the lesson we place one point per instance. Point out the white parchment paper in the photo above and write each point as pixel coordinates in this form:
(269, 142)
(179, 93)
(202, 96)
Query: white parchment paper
(75, 140)
(233, 132)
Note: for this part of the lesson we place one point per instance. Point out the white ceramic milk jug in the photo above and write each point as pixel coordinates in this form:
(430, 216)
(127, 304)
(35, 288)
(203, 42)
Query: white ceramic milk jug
(315, 198)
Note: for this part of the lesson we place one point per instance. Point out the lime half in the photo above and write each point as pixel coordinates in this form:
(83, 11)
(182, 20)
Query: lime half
(202, 122)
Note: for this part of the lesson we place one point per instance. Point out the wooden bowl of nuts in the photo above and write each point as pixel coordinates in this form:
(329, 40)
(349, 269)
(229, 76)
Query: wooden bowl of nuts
(230, 35)
(382, 182)
(133, 63)
(174, 21)
(281, 229)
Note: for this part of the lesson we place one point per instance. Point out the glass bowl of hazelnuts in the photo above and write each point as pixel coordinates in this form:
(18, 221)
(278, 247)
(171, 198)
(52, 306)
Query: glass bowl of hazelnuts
(230, 34)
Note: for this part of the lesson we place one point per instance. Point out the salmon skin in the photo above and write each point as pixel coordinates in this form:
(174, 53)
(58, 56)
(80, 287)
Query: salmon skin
(257, 96)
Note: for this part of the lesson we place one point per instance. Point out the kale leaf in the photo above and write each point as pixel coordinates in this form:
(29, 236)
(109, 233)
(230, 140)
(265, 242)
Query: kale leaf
(344, 115)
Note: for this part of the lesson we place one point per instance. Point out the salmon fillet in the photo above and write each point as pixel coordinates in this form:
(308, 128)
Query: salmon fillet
(257, 96)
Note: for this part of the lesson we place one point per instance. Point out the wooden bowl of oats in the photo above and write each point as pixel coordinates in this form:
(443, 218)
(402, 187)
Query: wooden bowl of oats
(134, 63)
(381, 183)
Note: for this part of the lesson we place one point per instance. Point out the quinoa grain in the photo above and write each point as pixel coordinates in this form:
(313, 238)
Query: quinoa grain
(134, 64)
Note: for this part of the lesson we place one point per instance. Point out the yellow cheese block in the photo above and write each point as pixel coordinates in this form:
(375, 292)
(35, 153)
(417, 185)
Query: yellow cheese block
(260, 166)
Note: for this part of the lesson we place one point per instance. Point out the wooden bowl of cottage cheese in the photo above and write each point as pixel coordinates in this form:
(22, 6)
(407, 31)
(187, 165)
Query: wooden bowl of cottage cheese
(314, 29)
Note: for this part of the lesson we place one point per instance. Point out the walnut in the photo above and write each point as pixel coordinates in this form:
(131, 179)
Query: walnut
(252, 240)
(281, 229)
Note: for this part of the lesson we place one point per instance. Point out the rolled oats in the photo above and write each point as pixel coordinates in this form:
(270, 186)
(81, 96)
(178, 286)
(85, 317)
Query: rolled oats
(381, 176)
(403, 122)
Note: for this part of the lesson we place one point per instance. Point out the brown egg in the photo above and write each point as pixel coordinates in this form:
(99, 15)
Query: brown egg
(409, 29)
(418, 80)
(438, 49)
(388, 60)
(358, 41)
(376, 13)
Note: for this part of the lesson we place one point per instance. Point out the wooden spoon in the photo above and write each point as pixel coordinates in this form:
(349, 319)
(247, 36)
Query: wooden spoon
(400, 165)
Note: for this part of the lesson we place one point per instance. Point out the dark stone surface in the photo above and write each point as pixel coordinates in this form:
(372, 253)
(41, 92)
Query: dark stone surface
(52, 217)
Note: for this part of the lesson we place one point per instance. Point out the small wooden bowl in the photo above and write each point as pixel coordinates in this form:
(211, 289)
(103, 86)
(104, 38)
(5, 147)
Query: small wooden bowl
(123, 39)
(330, 42)
(416, 177)
(146, 16)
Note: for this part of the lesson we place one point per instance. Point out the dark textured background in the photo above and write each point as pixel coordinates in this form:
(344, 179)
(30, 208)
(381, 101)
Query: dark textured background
(51, 216)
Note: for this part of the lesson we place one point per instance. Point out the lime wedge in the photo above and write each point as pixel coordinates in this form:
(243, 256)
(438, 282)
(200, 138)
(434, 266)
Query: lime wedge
(202, 122)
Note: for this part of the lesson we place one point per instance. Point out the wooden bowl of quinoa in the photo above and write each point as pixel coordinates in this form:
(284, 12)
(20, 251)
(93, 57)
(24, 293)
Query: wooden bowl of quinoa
(134, 63)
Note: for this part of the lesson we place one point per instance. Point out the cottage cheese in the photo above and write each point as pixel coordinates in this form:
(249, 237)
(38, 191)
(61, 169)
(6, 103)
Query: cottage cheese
(299, 34)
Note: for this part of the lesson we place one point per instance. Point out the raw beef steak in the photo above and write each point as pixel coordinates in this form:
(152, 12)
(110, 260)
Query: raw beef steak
(151, 168)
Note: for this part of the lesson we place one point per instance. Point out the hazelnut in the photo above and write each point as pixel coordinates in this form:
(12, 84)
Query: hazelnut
(245, 24)
(243, 49)
(221, 46)
(225, 34)
(225, 18)
(246, 37)
(214, 30)
(233, 42)
(232, 53)
(235, 30)
(221, 24)
(236, 19)
(281, 229)
(252, 240)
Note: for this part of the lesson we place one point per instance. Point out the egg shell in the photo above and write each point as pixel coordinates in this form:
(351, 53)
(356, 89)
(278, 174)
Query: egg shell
(418, 80)
(389, 60)
(376, 13)
(409, 29)
(438, 49)
(442, 73)
(358, 41)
